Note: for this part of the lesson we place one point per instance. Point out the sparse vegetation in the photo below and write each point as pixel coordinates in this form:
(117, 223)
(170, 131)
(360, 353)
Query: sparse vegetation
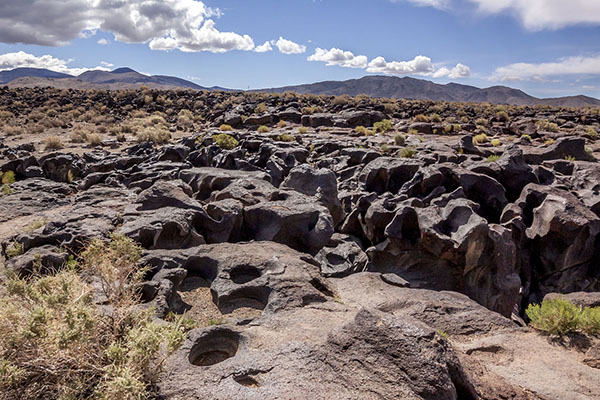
(364, 131)
(547, 126)
(493, 158)
(399, 140)
(7, 177)
(560, 317)
(281, 124)
(302, 130)
(225, 128)
(157, 135)
(225, 141)
(408, 152)
(54, 335)
(53, 143)
(480, 139)
(285, 138)
(383, 126)
(495, 142)
(263, 129)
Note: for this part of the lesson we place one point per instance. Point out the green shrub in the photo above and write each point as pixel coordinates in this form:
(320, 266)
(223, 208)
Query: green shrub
(225, 141)
(527, 137)
(399, 140)
(281, 124)
(385, 148)
(285, 138)
(495, 142)
(502, 116)
(421, 118)
(479, 139)
(14, 249)
(364, 131)
(556, 316)
(547, 126)
(225, 128)
(592, 133)
(302, 130)
(482, 122)
(435, 118)
(589, 320)
(8, 177)
(383, 126)
(408, 152)
(493, 158)
(263, 129)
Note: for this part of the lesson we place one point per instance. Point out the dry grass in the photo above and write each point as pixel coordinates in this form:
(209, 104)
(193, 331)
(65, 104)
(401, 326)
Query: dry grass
(53, 143)
(58, 344)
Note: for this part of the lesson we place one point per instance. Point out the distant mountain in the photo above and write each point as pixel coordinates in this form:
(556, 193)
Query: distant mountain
(7, 76)
(411, 88)
(120, 78)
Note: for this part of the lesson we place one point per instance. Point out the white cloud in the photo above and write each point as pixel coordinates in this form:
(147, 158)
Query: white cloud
(206, 38)
(106, 64)
(420, 65)
(25, 60)
(288, 47)
(563, 66)
(166, 24)
(339, 57)
(439, 4)
(263, 48)
(460, 71)
(102, 41)
(543, 14)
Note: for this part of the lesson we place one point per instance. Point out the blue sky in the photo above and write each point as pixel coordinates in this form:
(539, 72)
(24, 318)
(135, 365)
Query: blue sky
(546, 47)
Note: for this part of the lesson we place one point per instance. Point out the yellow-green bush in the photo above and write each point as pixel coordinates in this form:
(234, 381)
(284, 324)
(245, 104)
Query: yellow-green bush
(383, 126)
(559, 317)
(225, 141)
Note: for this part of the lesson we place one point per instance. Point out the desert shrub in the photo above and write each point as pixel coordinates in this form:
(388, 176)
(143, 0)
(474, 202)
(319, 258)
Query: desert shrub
(341, 100)
(13, 130)
(482, 121)
(493, 158)
(383, 126)
(495, 142)
(435, 118)
(479, 139)
(588, 150)
(549, 141)
(412, 131)
(547, 126)
(285, 138)
(281, 124)
(94, 139)
(570, 158)
(364, 131)
(448, 128)
(399, 140)
(391, 108)
(589, 320)
(385, 148)
(5, 190)
(556, 316)
(527, 137)
(309, 110)
(53, 143)
(408, 152)
(225, 128)
(5, 115)
(156, 135)
(58, 344)
(592, 133)
(225, 141)
(101, 129)
(502, 116)
(302, 130)
(263, 129)
(14, 249)
(8, 177)
(421, 118)
(261, 108)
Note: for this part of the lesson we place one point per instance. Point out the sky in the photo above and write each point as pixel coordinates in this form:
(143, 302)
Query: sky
(548, 48)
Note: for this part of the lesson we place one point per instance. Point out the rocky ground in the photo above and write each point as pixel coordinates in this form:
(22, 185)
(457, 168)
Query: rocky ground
(322, 259)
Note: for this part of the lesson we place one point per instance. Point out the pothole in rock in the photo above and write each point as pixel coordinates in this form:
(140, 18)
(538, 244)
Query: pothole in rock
(243, 274)
(214, 347)
(199, 304)
(247, 380)
(246, 302)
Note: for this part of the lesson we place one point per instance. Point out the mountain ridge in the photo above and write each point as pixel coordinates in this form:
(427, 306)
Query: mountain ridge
(372, 85)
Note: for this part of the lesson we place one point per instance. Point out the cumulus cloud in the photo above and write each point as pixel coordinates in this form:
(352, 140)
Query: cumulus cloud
(206, 38)
(166, 24)
(102, 41)
(420, 65)
(460, 71)
(563, 66)
(339, 57)
(542, 14)
(288, 47)
(25, 60)
(263, 48)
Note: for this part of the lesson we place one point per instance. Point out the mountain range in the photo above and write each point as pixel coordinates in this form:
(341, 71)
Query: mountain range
(375, 86)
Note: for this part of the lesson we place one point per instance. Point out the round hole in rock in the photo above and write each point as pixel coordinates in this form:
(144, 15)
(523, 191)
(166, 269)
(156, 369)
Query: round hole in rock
(244, 274)
(214, 347)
